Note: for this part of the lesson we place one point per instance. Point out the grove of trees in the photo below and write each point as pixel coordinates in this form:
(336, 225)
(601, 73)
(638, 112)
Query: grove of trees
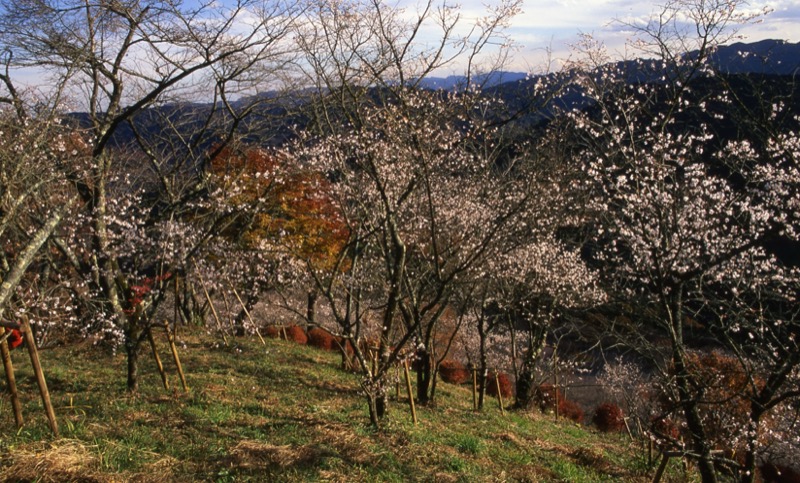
(288, 153)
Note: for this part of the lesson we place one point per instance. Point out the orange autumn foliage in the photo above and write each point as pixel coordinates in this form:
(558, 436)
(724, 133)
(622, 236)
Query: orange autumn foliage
(292, 206)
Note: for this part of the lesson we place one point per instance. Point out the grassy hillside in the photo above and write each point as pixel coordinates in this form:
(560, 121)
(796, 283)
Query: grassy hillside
(279, 413)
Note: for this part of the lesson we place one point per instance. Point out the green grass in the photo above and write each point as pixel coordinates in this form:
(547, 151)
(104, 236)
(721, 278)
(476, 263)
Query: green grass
(279, 413)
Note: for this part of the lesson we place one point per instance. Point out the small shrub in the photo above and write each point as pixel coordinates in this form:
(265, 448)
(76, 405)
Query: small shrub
(273, 332)
(570, 410)
(453, 372)
(608, 418)
(296, 334)
(322, 339)
(505, 385)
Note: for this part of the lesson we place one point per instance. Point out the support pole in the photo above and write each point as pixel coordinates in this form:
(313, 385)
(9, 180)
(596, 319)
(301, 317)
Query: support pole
(499, 394)
(37, 369)
(160, 366)
(176, 316)
(12, 381)
(210, 303)
(662, 467)
(174, 350)
(249, 317)
(410, 394)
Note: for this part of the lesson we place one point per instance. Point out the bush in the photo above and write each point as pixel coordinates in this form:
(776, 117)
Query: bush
(322, 339)
(273, 332)
(296, 333)
(453, 372)
(505, 385)
(570, 410)
(608, 418)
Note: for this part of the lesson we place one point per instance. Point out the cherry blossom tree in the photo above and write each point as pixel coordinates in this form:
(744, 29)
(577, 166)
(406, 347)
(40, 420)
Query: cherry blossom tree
(36, 156)
(125, 63)
(678, 223)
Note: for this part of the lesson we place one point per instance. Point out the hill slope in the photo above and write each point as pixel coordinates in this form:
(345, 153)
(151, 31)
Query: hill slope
(280, 412)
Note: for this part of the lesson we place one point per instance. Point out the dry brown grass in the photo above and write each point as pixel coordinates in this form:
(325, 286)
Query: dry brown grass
(59, 461)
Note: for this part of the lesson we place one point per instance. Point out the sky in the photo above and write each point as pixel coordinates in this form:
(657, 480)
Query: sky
(556, 24)
(545, 29)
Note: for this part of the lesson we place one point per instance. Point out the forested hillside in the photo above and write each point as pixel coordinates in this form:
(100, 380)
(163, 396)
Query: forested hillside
(615, 243)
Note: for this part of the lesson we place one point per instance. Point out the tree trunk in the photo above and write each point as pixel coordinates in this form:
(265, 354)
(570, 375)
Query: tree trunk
(377, 399)
(423, 366)
(483, 369)
(132, 349)
(311, 309)
(686, 398)
(524, 387)
(25, 258)
(525, 381)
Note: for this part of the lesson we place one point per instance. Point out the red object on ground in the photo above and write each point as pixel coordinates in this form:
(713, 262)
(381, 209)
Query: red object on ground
(15, 339)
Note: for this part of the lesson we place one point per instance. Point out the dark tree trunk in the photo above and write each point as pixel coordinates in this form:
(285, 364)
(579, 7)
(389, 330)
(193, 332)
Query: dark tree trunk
(423, 365)
(525, 382)
(524, 387)
(483, 369)
(132, 344)
(686, 397)
(311, 310)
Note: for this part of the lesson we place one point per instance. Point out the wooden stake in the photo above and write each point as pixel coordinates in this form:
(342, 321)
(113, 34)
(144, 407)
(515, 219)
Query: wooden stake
(247, 312)
(410, 395)
(176, 315)
(160, 366)
(37, 369)
(661, 468)
(228, 310)
(12, 381)
(175, 356)
(210, 303)
(499, 394)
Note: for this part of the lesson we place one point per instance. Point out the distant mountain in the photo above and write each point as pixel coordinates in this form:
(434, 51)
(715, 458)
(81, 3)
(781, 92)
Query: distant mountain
(774, 58)
(767, 57)
(770, 57)
(487, 80)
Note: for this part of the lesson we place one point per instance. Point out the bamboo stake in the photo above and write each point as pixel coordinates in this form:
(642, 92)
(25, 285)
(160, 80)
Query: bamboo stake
(210, 303)
(499, 394)
(12, 381)
(410, 395)
(228, 310)
(159, 365)
(249, 317)
(176, 315)
(37, 369)
(175, 356)
(397, 382)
